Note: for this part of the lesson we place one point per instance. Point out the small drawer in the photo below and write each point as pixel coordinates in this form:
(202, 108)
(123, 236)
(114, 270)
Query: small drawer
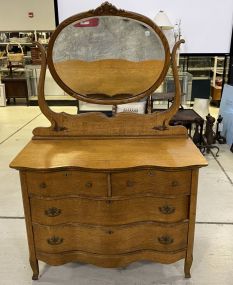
(151, 181)
(62, 183)
(109, 212)
(110, 240)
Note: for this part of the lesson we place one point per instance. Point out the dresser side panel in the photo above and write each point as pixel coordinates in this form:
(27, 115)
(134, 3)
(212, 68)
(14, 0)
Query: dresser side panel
(28, 220)
(192, 219)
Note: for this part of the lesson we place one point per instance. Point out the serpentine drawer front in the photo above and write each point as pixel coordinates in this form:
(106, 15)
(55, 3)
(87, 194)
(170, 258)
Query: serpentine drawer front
(118, 213)
(109, 212)
(97, 184)
(67, 183)
(110, 240)
(151, 181)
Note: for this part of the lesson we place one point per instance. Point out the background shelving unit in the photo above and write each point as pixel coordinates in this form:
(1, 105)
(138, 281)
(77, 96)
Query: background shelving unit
(205, 69)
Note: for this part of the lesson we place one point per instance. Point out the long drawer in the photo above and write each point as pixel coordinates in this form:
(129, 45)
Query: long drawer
(151, 181)
(67, 183)
(108, 212)
(110, 240)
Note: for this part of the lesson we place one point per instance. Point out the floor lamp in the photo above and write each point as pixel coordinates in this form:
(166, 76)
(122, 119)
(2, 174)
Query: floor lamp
(172, 32)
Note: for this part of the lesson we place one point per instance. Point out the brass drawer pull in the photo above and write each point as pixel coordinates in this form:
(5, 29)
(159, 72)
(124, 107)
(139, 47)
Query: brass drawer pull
(88, 184)
(52, 212)
(110, 232)
(165, 240)
(129, 183)
(175, 183)
(43, 185)
(151, 173)
(55, 240)
(167, 210)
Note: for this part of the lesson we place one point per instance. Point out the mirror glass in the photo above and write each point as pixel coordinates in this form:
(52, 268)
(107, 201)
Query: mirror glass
(108, 57)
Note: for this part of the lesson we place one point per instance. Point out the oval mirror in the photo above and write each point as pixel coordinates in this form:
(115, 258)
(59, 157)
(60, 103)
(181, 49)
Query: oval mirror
(108, 59)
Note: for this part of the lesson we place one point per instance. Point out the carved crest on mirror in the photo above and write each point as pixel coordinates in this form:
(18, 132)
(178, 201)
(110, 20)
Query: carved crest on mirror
(106, 8)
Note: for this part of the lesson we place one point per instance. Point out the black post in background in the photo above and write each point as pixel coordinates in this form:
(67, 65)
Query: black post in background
(56, 13)
(230, 75)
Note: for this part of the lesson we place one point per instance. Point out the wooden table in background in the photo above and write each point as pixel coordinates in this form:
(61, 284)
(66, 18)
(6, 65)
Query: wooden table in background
(16, 87)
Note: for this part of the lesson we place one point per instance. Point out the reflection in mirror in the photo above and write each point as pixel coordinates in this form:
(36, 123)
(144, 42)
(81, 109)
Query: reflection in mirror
(106, 57)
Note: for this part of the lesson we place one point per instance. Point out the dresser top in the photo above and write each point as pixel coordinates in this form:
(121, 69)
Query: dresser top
(109, 154)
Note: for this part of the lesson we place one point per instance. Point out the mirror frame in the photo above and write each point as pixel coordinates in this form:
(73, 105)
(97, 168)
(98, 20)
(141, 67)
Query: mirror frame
(107, 9)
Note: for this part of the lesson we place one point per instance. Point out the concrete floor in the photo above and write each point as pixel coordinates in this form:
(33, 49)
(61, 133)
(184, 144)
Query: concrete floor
(213, 250)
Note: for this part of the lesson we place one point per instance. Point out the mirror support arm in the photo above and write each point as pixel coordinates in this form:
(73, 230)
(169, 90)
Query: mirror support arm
(49, 114)
(177, 98)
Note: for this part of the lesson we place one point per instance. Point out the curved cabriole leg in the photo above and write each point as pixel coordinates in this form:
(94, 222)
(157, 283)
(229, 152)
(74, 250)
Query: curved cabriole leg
(187, 266)
(35, 269)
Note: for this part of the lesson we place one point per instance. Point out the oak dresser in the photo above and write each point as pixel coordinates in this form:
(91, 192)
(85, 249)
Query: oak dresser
(109, 191)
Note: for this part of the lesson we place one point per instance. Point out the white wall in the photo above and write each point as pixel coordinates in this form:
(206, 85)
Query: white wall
(14, 15)
(206, 24)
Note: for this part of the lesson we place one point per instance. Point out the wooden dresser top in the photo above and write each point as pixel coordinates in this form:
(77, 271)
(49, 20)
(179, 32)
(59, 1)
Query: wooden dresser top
(109, 154)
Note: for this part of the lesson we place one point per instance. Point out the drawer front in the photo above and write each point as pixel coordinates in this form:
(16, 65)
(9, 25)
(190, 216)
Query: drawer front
(151, 181)
(110, 240)
(109, 212)
(67, 183)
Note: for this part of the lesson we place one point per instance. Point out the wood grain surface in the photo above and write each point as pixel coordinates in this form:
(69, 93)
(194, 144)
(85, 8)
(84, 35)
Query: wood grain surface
(109, 154)
(111, 240)
(30, 234)
(111, 261)
(57, 183)
(108, 212)
(151, 181)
